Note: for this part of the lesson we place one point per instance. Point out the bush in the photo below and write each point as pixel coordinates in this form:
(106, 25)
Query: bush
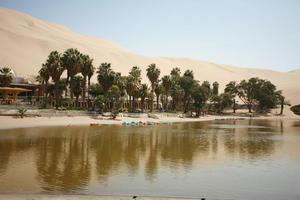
(22, 111)
(296, 109)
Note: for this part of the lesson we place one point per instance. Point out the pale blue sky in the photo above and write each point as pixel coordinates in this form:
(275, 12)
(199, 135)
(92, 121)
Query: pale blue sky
(249, 33)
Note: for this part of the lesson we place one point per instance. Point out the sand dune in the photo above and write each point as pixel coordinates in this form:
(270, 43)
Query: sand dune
(27, 41)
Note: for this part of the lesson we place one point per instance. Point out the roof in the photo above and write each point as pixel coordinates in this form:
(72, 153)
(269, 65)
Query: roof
(2, 89)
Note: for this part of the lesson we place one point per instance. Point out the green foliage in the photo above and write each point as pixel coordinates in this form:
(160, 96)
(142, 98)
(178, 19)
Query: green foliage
(153, 75)
(200, 96)
(6, 76)
(143, 94)
(72, 62)
(222, 101)
(22, 111)
(77, 83)
(187, 83)
(206, 85)
(106, 76)
(296, 109)
(215, 90)
(254, 91)
(117, 108)
(100, 101)
(95, 90)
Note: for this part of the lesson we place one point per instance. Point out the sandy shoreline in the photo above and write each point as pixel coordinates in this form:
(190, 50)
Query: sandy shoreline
(12, 122)
(82, 197)
(8, 122)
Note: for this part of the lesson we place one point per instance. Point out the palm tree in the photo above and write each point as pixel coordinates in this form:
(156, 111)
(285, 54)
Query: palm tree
(6, 76)
(158, 91)
(131, 89)
(215, 89)
(187, 82)
(106, 76)
(71, 61)
(135, 81)
(232, 89)
(55, 70)
(144, 91)
(90, 74)
(44, 74)
(153, 74)
(87, 67)
(166, 84)
(175, 72)
(77, 85)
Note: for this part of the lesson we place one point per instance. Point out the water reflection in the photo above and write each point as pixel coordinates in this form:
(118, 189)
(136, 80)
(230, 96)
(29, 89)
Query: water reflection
(67, 159)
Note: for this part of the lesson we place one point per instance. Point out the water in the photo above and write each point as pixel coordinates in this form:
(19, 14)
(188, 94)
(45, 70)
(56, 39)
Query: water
(239, 159)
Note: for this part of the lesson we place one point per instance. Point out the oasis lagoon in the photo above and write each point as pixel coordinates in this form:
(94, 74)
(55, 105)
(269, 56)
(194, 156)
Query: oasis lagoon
(235, 159)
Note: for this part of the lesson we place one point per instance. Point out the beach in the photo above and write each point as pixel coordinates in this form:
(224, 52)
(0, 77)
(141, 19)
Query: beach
(81, 197)
(10, 122)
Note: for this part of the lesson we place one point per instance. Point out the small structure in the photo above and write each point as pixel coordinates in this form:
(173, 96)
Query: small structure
(8, 95)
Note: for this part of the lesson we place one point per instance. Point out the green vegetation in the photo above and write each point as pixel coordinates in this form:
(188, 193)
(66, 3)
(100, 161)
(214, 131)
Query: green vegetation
(22, 111)
(296, 109)
(173, 92)
(6, 76)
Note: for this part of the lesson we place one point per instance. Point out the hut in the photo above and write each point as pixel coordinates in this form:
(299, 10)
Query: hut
(8, 95)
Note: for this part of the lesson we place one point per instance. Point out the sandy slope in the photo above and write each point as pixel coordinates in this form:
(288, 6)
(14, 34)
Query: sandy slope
(26, 42)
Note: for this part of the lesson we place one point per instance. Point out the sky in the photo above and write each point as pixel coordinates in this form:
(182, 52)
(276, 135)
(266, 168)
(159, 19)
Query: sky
(246, 33)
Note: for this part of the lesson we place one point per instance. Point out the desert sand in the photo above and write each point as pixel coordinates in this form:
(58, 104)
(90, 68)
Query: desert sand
(26, 42)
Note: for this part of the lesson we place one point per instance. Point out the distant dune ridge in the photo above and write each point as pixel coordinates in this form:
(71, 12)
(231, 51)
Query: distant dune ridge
(25, 43)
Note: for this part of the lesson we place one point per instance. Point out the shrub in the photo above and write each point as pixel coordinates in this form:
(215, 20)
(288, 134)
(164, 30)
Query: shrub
(22, 111)
(296, 109)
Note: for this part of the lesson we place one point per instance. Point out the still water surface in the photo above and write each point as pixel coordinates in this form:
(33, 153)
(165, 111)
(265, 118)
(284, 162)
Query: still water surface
(239, 159)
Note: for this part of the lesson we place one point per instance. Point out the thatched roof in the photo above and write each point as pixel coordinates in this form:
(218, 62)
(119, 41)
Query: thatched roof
(11, 89)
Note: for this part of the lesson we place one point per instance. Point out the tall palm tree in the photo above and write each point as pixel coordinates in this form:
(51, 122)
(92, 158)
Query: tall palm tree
(158, 91)
(71, 61)
(135, 81)
(55, 70)
(6, 76)
(166, 84)
(44, 74)
(215, 89)
(143, 93)
(106, 76)
(131, 89)
(77, 85)
(90, 74)
(87, 67)
(153, 74)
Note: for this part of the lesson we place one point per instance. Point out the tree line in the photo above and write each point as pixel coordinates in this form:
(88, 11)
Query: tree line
(177, 91)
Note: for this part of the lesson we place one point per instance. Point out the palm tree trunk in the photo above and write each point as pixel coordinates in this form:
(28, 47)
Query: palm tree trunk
(157, 99)
(71, 88)
(46, 94)
(84, 88)
(151, 101)
(166, 106)
(250, 108)
(129, 105)
(56, 95)
(281, 106)
(89, 85)
(234, 106)
(143, 106)
(133, 103)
